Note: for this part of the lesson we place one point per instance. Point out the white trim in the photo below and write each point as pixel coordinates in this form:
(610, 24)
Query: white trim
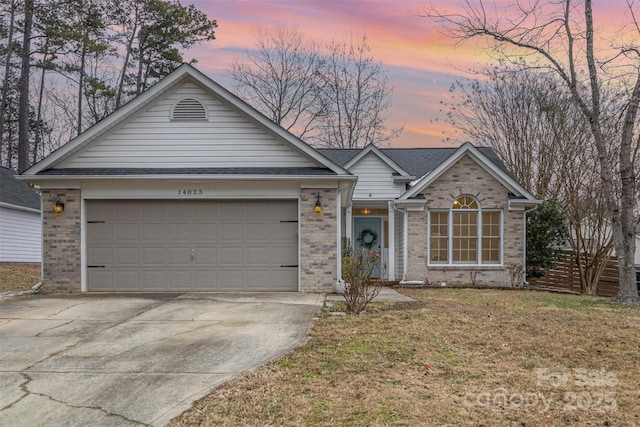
(83, 245)
(338, 235)
(391, 224)
(373, 149)
(203, 177)
(299, 198)
(450, 264)
(19, 208)
(490, 167)
(405, 259)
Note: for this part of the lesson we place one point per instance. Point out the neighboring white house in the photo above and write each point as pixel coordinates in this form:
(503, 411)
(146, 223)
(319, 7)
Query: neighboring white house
(20, 220)
(188, 188)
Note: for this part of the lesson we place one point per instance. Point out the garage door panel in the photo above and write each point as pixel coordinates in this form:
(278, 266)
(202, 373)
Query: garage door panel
(257, 256)
(128, 280)
(179, 279)
(127, 256)
(153, 256)
(257, 232)
(206, 256)
(205, 279)
(126, 211)
(153, 232)
(101, 280)
(231, 232)
(100, 256)
(283, 232)
(231, 256)
(180, 232)
(284, 255)
(127, 232)
(205, 231)
(155, 245)
(101, 232)
(177, 257)
(230, 279)
(231, 210)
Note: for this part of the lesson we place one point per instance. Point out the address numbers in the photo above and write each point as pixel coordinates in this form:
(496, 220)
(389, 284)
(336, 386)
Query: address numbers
(190, 192)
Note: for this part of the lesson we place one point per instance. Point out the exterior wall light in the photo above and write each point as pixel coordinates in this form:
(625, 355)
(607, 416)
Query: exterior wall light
(366, 211)
(58, 207)
(318, 208)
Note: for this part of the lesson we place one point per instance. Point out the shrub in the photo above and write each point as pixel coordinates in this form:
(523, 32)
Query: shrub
(356, 272)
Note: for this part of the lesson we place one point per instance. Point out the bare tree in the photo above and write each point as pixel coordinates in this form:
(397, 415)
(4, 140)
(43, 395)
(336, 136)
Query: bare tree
(282, 78)
(335, 100)
(561, 35)
(357, 96)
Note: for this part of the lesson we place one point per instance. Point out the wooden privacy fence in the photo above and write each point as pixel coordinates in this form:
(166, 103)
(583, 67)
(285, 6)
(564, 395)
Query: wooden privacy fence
(565, 275)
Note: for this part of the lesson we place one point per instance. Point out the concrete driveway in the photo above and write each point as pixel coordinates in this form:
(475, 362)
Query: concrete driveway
(84, 360)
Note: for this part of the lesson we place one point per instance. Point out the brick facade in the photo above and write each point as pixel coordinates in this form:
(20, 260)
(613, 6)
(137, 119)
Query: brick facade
(465, 177)
(318, 241)
(61, 241)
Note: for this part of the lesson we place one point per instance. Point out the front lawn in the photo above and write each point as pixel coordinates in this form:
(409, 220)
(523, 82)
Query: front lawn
(18, 276)
(457, 357)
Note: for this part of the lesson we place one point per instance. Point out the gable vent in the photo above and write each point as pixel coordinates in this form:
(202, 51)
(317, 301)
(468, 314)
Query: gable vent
(189, 109)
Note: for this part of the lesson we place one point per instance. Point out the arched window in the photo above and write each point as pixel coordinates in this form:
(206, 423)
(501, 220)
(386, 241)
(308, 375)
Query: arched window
(189, 109)
(465, 234)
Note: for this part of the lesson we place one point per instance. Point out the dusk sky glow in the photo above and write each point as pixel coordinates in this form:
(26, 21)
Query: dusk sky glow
(422, 64)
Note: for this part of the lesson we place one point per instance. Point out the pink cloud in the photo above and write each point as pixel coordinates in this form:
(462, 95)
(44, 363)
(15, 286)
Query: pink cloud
(422, 61)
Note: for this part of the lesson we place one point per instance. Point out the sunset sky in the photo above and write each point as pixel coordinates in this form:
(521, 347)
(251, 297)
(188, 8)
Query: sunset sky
(422, 64)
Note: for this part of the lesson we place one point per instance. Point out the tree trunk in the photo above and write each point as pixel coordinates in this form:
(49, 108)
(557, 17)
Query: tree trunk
(5, 84)
(83, 56)
(23, 108)
(38, 134)
(620, 212)
(624, 237)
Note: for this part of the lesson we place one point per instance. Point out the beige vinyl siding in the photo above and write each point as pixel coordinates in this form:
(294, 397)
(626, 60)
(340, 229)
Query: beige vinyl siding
(225, 139)
(375, 180)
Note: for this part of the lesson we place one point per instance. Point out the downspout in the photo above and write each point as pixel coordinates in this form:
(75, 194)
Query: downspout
(524, 244)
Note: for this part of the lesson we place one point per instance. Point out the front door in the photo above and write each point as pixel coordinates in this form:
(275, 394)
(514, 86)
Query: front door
(367, 234)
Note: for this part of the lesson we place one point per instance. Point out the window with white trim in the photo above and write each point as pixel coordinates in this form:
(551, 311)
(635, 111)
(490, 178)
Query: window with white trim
(465, 234)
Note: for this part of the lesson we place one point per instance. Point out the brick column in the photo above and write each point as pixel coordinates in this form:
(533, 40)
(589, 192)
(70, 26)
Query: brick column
(318, 241)
(61, 244)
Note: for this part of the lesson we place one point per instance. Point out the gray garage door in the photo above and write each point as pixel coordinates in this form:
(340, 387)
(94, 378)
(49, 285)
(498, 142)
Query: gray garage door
(176, 245)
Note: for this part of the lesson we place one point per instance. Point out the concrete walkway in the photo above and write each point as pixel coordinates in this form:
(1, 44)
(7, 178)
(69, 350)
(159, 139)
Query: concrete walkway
(386, 294)
(91, 360)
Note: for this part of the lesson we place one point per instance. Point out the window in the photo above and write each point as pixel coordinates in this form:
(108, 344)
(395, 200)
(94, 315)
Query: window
(465, 234)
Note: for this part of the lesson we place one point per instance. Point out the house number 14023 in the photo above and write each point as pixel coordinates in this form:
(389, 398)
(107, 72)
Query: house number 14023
(190, 192)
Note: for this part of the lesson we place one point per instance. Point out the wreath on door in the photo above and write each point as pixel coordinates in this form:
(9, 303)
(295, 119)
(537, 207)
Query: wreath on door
(367, 238)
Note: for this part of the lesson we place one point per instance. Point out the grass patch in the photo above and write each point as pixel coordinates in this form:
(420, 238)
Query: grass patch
(458, 356)
(18, 276)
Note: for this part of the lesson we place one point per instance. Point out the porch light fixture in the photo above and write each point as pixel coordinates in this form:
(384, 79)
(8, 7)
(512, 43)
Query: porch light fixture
(318, 208)
(58, 207)
(366, 211)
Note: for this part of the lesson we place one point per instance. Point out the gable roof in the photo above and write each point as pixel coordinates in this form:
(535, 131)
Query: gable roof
(415, 161)
(376, 152)
(17, 193)
(467, 149)
(179, 76)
